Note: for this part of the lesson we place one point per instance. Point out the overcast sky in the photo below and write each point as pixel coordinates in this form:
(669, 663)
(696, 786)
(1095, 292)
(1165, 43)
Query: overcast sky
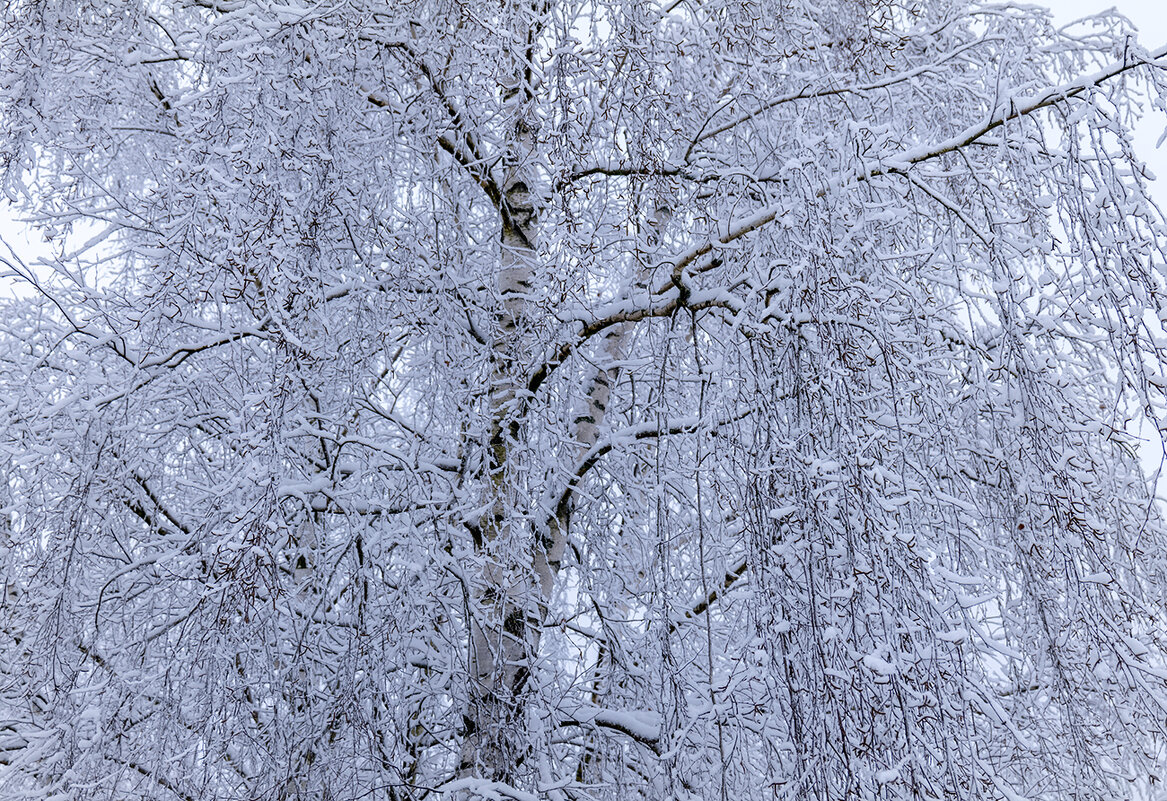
(1150, 16)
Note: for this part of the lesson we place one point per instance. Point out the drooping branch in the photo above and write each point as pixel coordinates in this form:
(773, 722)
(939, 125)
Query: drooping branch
(808, 93)
(667, 298)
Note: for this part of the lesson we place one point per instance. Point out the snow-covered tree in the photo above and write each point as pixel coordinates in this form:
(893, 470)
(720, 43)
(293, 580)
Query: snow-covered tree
(580, 399)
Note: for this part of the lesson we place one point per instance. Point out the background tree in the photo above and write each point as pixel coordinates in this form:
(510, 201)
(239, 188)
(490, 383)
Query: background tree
(580, 400)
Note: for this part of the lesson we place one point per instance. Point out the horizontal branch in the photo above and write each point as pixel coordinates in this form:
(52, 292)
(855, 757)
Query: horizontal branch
(701, 607)
(662, 304)
(678, 425)
(643, 727)
(178, 355)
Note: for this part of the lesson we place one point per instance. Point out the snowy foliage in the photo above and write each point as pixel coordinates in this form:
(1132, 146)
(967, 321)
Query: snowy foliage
(581, 400)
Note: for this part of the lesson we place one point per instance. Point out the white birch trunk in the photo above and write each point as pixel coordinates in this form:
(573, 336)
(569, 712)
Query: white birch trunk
(503, 632)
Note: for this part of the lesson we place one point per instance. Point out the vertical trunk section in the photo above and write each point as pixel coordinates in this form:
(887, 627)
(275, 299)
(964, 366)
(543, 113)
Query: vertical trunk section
(504, 624)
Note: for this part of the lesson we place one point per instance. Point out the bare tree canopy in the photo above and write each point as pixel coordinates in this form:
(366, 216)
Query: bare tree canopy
(580, 400)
